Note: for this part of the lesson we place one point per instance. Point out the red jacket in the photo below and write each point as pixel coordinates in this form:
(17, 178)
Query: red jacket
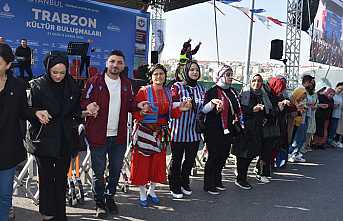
(96, 91)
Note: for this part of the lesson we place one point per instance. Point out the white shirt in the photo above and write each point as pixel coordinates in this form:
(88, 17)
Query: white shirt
(114, 88)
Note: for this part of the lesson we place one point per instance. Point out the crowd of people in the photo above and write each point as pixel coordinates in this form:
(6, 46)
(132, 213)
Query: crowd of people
(260, 121)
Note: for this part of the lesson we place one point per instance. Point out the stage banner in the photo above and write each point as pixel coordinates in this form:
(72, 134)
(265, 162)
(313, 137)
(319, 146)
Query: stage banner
(51, 24)
(327, 39)
(158, 30)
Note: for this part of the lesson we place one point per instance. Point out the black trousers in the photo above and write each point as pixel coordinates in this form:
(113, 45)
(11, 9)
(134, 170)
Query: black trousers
(218, 152)
(242, 168)
(27, 69)
(179, 174)
(52, 186)
(265, 160)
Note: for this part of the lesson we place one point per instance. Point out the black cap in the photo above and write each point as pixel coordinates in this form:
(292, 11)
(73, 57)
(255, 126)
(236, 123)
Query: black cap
(6, 53)
(52, 59)
(307, 78)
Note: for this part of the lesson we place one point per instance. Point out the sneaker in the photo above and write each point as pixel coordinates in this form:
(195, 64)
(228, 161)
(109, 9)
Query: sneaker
(186, 190)
(177, 194)
(101, 210)
(143, 203)
(255, 170)
(221, 187)
(111, 206)
(339, 145)
(155, 200)
(262, 179)
(299, 159)
(243, 184)
(212, 191)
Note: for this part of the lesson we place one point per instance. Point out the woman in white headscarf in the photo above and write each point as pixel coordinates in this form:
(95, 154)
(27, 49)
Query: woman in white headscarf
(222, 126)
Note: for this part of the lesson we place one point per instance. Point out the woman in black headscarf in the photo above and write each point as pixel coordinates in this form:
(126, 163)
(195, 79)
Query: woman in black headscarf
(59, 94)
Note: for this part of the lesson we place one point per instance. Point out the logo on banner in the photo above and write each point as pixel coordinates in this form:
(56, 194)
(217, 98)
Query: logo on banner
(141, 23)
(6, 11)
(112, 27)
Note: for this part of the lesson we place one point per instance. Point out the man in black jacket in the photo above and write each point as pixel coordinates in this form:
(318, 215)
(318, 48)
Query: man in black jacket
(13, 108)
(24, 53)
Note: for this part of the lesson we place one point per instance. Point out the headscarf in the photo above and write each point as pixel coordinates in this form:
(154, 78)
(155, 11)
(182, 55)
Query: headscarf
(261, 92)
(50, 60)
(328, 91)
(219, 77)
(277, 85)
(186, 69)
(297, 94)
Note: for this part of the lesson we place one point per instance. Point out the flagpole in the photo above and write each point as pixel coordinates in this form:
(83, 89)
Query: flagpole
(215, 23)
(247, 65)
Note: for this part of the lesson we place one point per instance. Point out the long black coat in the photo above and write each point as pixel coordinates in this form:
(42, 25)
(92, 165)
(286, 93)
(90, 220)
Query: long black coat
(250, 144)
(55, 139)
(14, 110)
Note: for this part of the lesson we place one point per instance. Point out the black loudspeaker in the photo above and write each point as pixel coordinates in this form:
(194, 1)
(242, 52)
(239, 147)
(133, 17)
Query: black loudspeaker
(154, 57)
(310, 8)
(276, 49)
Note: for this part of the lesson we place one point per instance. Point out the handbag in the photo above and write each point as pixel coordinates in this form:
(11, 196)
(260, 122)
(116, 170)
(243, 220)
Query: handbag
(200, 122)
(271, 130)
(146, 140)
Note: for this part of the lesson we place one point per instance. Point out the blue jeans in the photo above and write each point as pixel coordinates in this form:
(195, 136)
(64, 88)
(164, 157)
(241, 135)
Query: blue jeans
(333, 129)
(115, 153)
(6, 190)
(299, 137)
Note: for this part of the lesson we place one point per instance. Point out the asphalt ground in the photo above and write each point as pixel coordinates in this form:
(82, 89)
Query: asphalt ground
(310, 191)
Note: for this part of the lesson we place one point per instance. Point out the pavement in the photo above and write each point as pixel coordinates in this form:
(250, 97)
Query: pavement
(310, 191)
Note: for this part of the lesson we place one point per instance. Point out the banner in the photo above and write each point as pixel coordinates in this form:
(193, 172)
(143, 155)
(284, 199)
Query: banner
(51, 25)
(327, 39)
(158, 30)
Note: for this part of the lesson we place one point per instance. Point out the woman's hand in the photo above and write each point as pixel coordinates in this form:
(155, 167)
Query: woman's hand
(144, 106)
(43, 116)
(218, 104)
(91, 110)
(185, 106)
(258, 108)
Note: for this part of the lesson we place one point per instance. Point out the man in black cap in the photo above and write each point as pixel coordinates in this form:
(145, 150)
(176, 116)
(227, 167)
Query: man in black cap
(25, 53)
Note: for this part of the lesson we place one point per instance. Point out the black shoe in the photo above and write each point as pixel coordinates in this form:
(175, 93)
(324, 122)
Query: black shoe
(186, 190)
(243, 184)
(212, 191)
(111, 206)
(101, 210)
(221, 187)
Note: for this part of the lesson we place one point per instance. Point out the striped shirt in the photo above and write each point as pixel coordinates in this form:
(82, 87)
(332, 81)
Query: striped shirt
(183, 128)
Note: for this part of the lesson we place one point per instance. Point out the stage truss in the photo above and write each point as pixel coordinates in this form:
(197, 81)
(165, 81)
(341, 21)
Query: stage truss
(293, 39)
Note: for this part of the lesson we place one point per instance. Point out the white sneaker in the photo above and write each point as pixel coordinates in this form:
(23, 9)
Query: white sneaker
(176, 195)
(186, 192)
(299, 158)
(339, 144)
(291, 158)
(334, 144)
(263, 179)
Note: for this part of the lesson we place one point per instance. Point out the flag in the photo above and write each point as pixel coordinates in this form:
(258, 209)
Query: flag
(264, 20)
(276, 21)
(259, 10)
(245, 11)
(228, 1)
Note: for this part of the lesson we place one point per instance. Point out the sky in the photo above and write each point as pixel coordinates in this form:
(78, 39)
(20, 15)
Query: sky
(197, 22)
